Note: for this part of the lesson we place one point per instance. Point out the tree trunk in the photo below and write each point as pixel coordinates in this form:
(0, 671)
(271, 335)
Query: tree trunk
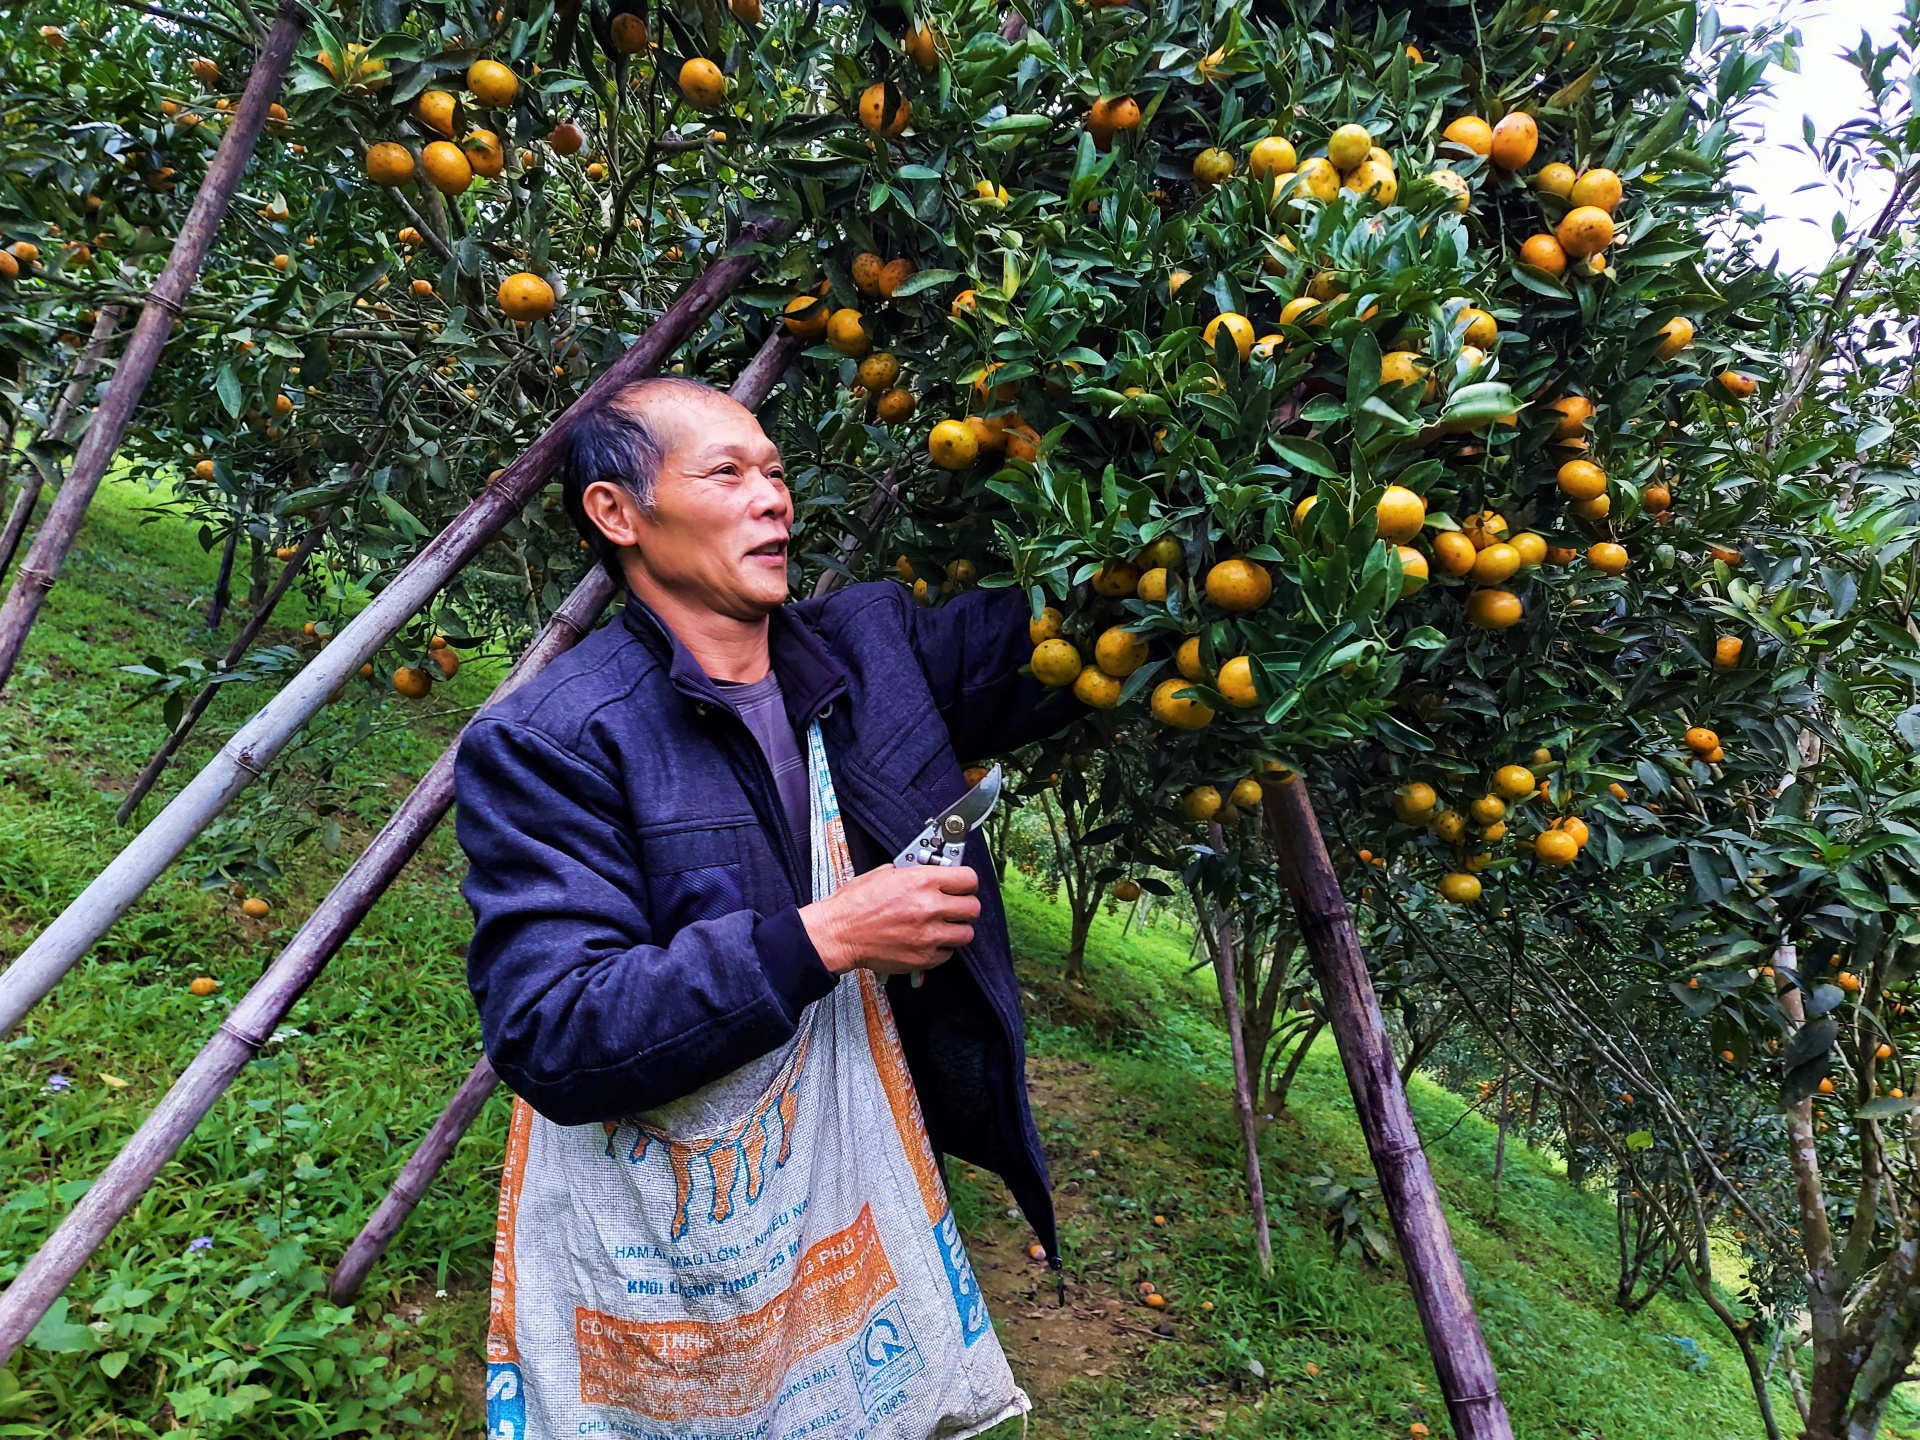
(257, 580)
(1223, 964)
(1077, 938)
(21, 515)
(223, 582)
(165, 301)
(1277, 1093)
(1460, 1359)
(1500, 1144)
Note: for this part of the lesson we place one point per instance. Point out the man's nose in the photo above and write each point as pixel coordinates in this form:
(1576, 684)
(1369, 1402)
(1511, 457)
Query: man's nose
(773, 499)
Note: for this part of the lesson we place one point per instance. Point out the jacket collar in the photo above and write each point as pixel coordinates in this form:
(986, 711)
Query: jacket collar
(810, 678)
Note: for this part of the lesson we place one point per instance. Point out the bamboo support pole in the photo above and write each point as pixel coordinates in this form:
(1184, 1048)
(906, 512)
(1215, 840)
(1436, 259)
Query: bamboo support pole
(1460, 1359)
(1224, 941)
(253, 747)
(150, 775)
(21, 515)
(253, 1020)
(165, 302)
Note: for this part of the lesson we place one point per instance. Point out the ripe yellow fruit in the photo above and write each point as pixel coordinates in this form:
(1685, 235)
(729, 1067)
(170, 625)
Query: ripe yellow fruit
(1153, 585)
(1318, 178)
(1514, 782)
(202, 985)
(1238, 585)
(1238, 327)
(1543, 252)
(412, 682)
(1701, 739)
(566, 138)
(847, 333)
(1454, 552)
(1488, 810)
(1599, 188)
(1055, 663)
(1450, 827)
(1585, 231)
(894, 406)
(1212, 166)
(492, 83)
(1531, 548)
(952, 445)
(747, 12)
(1292, 312)
(703, 84)
(1726, 651)
(1119, 651)
(1481, 328)
(1171, 709)
(1493, 609)
(1581, 480)
(1574, 826)
(1096, 689)
(985, 192)
(1402, 367)
(1246, 794)
(1187, 659)
(629, 33)
(1400, 514)
(1116, 579)
(435, 109)
(1348, 146)
(923, 46)
(1413, 571)
(893, 275)
(1460, 889)
(873, 112)
(1556, 179)
(1470, 132)
(1271, 156)
(1596, 509)
(1555, 847)
(1236, 684)
(389, 164)
(1414, 802)
(1515, 139)
(1675, 336)
(484, 153)
(1574, 411)
(1607, 557)
(1164, 553)
(878, 371)
(1202, 802)
(525, 297)
(1455, 184)
(1498, 562)
(203, 470)
(1373, 180)
(1047, 627)
(806, 316)
(447, 167)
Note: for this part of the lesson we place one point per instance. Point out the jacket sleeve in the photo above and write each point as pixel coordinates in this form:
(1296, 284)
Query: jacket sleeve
(586, 1010)
(972, 650)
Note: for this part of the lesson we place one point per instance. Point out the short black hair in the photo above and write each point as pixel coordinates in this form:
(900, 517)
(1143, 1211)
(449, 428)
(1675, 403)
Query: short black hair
(613, 444)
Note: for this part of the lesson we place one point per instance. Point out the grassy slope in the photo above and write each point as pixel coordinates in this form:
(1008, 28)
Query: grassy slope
(228, 1337)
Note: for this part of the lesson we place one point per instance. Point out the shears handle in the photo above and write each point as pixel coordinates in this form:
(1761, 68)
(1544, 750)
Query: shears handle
(927, 849)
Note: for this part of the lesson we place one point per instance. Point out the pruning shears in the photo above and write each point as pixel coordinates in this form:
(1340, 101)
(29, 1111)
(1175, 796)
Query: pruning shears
(943, 841)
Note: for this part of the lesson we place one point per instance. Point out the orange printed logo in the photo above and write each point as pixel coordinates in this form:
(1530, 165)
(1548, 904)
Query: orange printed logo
(700, 1369)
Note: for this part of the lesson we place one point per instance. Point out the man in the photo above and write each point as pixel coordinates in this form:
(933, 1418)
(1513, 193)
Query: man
(720, 1213)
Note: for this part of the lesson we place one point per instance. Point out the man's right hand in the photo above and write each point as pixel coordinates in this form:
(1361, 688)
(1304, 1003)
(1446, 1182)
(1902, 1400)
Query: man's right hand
(895, 920)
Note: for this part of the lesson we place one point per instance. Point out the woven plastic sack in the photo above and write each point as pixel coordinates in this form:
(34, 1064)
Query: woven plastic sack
(774, 1258)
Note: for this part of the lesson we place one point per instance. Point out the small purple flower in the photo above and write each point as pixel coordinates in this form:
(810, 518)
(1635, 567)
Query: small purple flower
(57, 1083)
(200, 1242)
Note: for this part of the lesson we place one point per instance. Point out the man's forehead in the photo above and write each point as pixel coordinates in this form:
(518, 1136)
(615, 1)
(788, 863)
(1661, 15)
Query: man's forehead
(683, 415)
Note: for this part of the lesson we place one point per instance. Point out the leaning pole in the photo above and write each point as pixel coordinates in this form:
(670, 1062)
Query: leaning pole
(252, 1021)
(164, 306)
(1465, 1370)
(254, 746)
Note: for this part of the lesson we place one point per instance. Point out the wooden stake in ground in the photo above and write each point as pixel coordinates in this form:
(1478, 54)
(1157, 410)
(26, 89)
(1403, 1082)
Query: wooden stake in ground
(1221, 931)
(165, 301)
(253, 747)
(21, 515)
(253, 1020)
(1460, 1359)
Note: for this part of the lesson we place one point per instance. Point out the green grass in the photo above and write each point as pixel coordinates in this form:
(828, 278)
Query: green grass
(233, 1338)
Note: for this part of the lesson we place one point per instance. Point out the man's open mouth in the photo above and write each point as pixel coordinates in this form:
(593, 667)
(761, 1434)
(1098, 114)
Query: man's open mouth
(773, 549)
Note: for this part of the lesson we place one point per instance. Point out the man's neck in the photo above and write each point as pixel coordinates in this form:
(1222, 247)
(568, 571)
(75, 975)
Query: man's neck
(724, 647)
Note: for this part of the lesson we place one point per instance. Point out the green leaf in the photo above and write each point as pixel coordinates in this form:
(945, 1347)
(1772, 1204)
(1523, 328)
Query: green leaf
(227, 385)
(1640, 1140)
(1307, 455)
(1569, 93)
(924, 280)
(1663, 134)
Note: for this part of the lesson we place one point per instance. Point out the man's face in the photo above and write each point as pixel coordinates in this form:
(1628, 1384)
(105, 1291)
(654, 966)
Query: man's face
(717, 537)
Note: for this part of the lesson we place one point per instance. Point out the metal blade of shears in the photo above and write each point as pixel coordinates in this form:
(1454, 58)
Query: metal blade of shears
(944, 838)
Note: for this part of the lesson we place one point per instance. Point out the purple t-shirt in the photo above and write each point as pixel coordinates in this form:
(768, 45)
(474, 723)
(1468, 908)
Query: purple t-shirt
(764, 710)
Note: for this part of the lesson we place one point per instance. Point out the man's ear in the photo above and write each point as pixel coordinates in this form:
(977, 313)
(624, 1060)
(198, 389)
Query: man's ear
(614, 511)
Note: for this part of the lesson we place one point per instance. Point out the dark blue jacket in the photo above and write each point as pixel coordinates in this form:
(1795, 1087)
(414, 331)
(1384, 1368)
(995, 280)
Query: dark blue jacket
(636, 891)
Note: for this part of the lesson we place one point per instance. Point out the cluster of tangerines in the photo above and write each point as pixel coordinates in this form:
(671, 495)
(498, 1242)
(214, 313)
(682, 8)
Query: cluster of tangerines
(1557, 843)
(451, 167)
(876, 373)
